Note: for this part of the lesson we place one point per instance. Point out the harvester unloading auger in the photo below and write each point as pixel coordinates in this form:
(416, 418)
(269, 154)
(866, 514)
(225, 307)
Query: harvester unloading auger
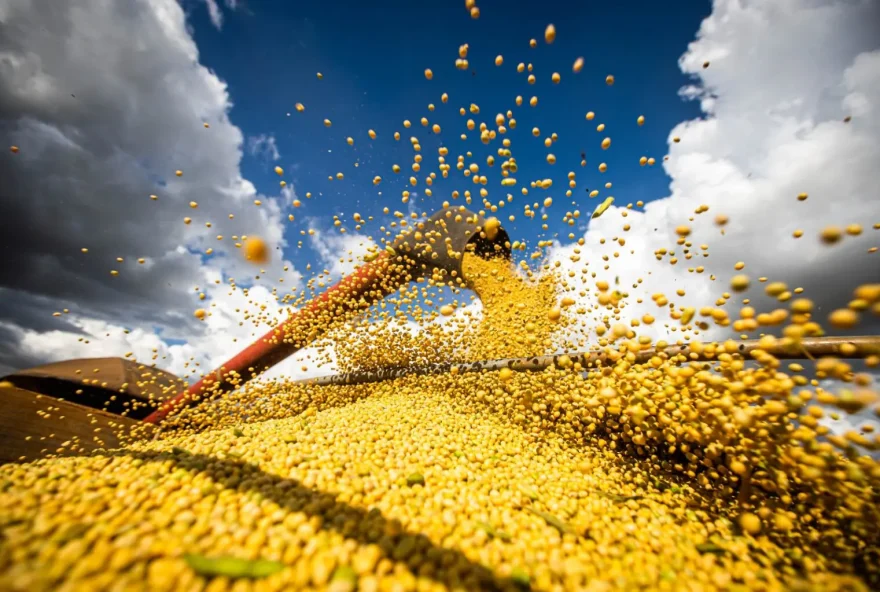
(438, 243)
(433, 245)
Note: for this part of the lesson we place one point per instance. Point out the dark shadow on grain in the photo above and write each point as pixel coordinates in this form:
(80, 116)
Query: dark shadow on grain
(447, 566)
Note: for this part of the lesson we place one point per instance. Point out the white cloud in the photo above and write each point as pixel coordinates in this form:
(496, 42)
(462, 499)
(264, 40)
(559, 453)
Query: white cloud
(224, 333)
(782, 77)
(288, 193)
(99, 132)
(105, 200)
(339, 253)
(840, 422)
(264, 146)
(216, 14)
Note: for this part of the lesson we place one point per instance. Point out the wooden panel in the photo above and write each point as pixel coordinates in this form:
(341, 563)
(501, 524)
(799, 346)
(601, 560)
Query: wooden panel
(33, 426)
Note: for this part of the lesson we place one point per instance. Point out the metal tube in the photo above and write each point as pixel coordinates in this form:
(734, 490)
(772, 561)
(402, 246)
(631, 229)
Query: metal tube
(818, 347)
(355, 292)
(412, 254)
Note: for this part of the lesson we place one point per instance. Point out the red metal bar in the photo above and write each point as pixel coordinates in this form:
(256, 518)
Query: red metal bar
(369, 283)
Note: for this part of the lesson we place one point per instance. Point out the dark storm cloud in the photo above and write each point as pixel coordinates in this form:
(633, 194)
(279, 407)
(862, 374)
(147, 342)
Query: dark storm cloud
(106, 100)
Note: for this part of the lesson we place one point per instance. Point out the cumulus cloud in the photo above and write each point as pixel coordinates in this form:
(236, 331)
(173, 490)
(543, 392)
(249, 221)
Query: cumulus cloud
(783, 77)
(106, 101)
(339, 253)
(223, 334)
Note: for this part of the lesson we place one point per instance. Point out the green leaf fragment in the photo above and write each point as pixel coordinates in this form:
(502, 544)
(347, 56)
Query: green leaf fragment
(344, 573)
(72, 532)
(415, 479)
(710, 548)
(493, 532)
(519, 577)
(237, 433)
(553, 521)
(179, 450)
(626, 498)
(600, 209)
(529, 492)
(232, 567)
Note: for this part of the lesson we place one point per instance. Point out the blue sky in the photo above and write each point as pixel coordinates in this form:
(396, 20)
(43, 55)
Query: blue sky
(373, 58)
(804, 121)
